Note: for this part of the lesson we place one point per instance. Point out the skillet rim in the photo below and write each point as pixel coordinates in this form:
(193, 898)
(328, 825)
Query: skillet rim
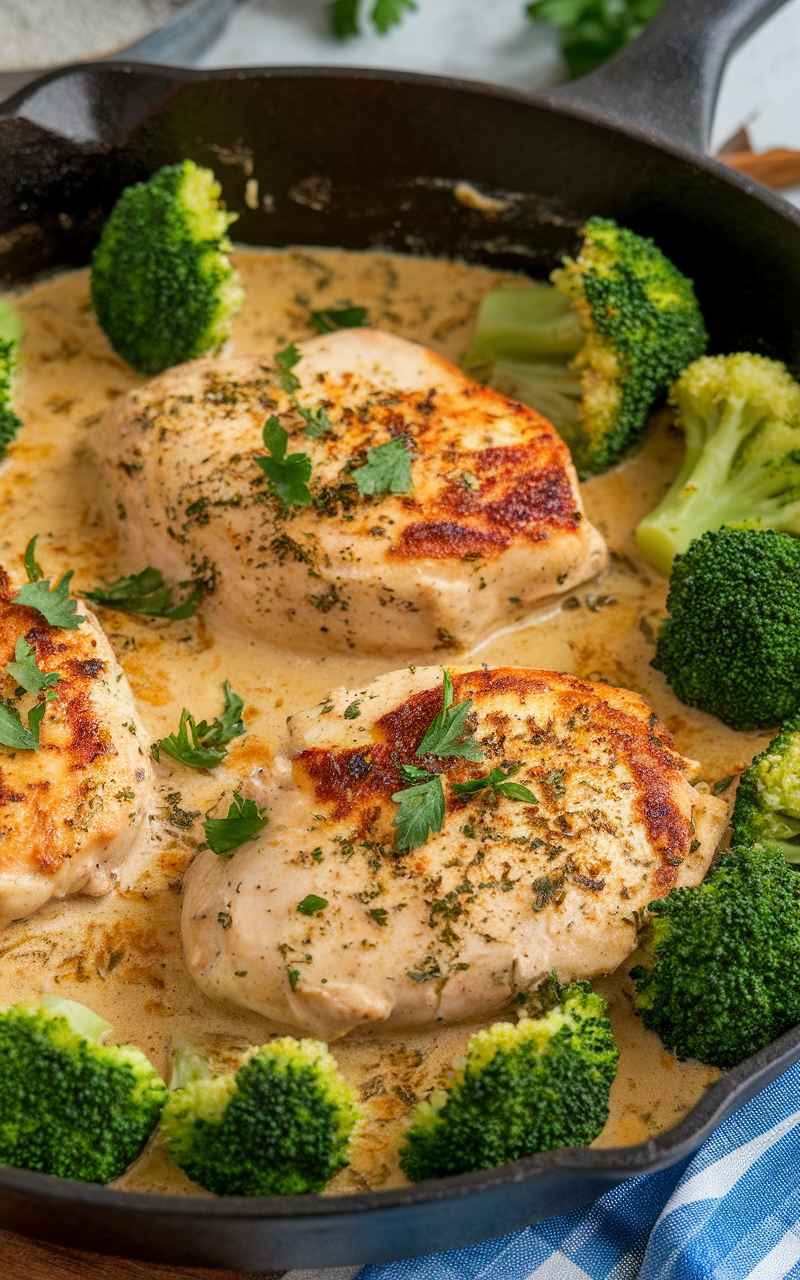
(609, 1166)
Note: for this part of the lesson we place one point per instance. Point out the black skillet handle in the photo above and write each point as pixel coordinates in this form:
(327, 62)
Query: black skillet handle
(666, 81)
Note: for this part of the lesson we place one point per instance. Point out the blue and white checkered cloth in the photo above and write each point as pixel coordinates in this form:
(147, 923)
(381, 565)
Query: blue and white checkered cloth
(731, 1212)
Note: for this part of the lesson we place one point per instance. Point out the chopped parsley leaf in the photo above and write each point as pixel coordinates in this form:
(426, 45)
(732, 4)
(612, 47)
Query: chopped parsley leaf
(55, 606)
(30, 562)
(379, 915)
(421, 812)
(293, 976)
(286, 360)
(288, 476)
(317, 421)
(202, 746)
(413, 773)
(244, 822)
(311, 904)
(13, 733)
(348, 318)
(387, 469)
(498, 780)
(353, 711)
(442, 738)
(229, 725)
(27, 674)
(144, 593)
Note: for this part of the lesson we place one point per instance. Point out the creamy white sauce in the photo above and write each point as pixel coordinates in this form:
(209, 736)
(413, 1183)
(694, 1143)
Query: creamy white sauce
(122, 954)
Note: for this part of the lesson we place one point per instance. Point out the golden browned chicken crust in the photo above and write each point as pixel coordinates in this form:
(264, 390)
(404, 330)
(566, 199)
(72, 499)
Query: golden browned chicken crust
(70, 813)
(494, 523)
(508, 889)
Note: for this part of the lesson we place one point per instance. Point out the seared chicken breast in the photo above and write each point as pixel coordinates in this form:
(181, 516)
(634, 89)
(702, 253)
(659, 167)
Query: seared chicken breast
(489, 522)
(325, 923)
(71, 812)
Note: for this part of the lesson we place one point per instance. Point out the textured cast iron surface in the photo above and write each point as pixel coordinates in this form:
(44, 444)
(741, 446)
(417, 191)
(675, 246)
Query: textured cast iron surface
(361, 160)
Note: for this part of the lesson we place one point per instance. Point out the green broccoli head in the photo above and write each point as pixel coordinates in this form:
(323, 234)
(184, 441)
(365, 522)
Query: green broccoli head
(10, 338)
(162, 286)
(642, 325)
(541, 1084)
(767, 808)
(741, 419)
(731, 645)
(594, 351)
(278, 1126)
(69, 1105)
(722, 982)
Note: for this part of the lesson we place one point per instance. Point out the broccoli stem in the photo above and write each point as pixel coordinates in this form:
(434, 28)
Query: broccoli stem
(10, 323)
(189, 1063)
(709, 490)
(84, 1022)
(525, 340)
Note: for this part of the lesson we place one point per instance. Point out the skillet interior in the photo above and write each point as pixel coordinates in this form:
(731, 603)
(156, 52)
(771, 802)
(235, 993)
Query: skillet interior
(363, 160)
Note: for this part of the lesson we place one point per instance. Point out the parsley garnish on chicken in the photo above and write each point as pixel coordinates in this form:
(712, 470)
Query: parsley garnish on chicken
(387, 469)
(31, 679)
(422, 805)
(445, 736)
(13, 733)
(288, 476)
(55, 606)
(26, 672)
(498, 780)
(317, 422)
(244, 822)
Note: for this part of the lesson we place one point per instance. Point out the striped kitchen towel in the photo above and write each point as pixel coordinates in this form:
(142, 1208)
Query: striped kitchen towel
(731, 1212)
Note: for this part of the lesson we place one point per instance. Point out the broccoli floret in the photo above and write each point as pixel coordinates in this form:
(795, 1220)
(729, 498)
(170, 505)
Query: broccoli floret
(69, 1105)
(541, 1084)
(280, 1125)
(732, 643)
(767, 808)
(163, 288)
(10, 337)
(599, 371)
(723, 979)
(741, 418)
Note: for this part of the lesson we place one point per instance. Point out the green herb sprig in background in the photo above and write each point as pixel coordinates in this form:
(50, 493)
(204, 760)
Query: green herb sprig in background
(384, 15)
(592, 31)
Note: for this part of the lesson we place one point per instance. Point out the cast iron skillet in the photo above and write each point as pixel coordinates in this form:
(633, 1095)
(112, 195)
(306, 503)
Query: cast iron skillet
(362, 159)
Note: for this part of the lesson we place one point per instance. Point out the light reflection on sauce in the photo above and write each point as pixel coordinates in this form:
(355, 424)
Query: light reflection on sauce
(122, 954)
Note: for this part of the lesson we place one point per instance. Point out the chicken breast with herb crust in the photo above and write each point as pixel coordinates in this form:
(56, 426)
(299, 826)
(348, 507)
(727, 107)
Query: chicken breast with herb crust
(71, 811)
(427, 863)
(393, 503)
